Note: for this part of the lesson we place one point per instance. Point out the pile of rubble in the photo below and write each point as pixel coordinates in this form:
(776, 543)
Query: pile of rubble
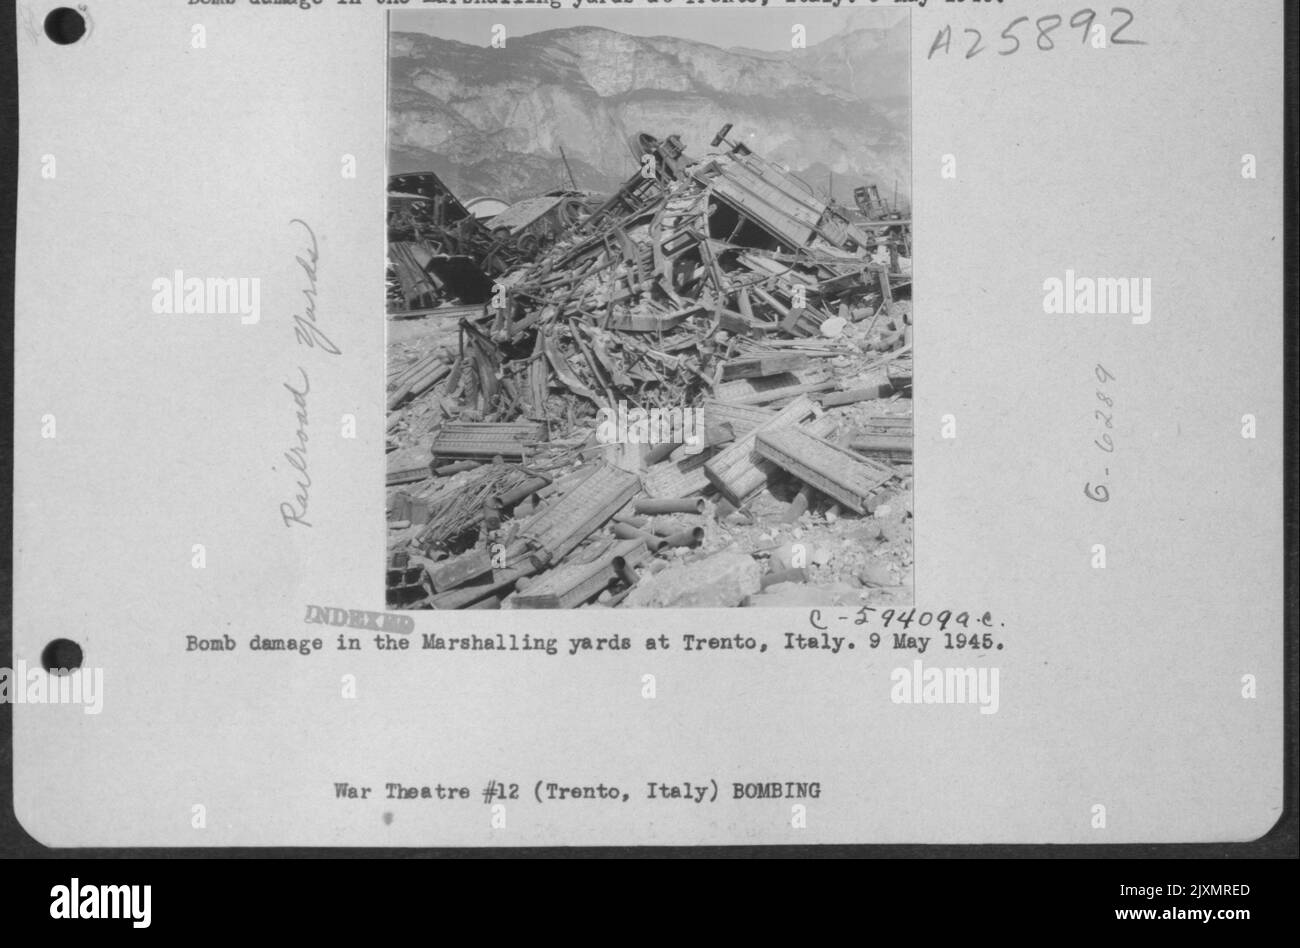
(438, 248)
(698, 394)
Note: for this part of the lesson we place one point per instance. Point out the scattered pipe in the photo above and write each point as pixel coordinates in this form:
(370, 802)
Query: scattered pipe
(626, 532)
(625, 571)
(659, 452)
(515, 494)
(669, 505)
(492, 513)
(688, 537)
(882, 444)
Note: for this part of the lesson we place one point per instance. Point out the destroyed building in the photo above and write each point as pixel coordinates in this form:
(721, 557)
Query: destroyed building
(438, 249)
(694, 393)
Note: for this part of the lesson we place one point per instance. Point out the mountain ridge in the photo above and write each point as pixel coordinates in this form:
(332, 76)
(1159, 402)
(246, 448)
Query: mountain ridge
(492, 121)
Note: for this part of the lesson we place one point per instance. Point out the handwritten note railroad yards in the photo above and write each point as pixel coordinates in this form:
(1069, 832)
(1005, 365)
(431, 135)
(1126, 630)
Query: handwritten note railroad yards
(307, 332)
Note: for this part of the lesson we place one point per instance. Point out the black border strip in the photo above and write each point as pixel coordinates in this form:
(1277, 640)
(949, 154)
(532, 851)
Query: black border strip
(1279, 842)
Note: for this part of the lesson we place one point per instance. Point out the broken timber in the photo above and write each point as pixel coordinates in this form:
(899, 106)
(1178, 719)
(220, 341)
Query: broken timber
(737, 471)
(705, 288)
(509, 440)
(833, 471)
(757, 391)
(459, 570)
(570, 585)
(465, 596)
(554, 533)
(764, 365)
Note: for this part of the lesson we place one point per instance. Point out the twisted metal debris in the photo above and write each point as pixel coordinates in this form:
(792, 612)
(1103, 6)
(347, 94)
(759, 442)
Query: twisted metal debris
(720, 289)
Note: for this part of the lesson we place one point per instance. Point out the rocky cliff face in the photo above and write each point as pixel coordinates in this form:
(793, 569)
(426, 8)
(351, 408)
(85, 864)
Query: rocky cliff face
(492, 121)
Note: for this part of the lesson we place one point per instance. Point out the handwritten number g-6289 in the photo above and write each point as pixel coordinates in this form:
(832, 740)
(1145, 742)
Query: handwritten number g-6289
(1101, 493)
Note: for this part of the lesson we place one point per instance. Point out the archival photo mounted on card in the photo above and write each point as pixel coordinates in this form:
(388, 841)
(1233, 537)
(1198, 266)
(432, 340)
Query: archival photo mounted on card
(597, 322)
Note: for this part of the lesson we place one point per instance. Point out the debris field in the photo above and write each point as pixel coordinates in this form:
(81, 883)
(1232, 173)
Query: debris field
(693, 392)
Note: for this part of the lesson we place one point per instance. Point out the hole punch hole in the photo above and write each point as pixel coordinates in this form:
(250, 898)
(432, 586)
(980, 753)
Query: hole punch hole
(64, 25)
(61, 657)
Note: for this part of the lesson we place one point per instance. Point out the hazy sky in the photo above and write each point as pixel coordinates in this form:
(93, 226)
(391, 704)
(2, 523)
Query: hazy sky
(767, 28)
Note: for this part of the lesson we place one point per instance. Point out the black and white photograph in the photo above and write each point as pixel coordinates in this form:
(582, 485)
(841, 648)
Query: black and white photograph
(649, 313)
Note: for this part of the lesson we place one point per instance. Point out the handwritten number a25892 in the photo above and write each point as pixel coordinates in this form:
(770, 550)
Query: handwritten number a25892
(1083, 20)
